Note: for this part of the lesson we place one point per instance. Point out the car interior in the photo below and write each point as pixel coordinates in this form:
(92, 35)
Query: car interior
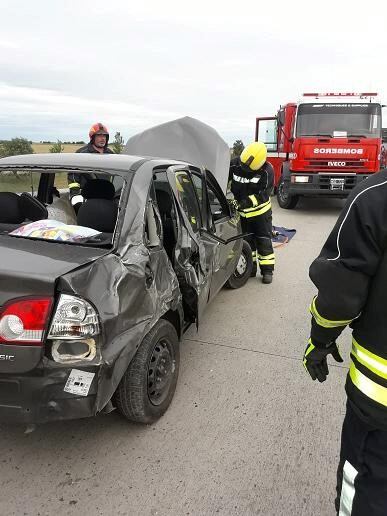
(98, 212)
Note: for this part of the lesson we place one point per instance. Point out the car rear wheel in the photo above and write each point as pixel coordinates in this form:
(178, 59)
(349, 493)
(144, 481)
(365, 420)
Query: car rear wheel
(286, 201)
(148, 385)
(243, 269)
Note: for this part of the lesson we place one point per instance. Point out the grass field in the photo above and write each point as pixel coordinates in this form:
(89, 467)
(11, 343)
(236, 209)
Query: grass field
(28, 182)
(45, 147)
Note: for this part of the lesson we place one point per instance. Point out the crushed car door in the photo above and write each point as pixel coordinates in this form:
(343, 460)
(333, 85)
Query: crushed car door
(192, 264)
(225, 227)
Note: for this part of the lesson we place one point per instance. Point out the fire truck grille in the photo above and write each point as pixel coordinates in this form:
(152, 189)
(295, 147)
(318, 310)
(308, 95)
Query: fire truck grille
(325, 181)
(330, 164)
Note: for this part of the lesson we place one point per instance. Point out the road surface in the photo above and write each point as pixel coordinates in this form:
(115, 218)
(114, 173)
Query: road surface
(248, 433)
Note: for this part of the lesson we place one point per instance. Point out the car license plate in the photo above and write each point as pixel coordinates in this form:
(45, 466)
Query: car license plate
(337, 183)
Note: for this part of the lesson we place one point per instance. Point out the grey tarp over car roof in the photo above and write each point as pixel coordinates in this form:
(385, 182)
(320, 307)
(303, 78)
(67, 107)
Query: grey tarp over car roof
(185, 139)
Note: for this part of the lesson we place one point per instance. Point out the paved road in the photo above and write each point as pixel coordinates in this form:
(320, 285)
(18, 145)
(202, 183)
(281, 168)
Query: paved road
(247, 433)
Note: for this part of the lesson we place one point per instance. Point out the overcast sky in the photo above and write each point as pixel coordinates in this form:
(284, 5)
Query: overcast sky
(65, 65)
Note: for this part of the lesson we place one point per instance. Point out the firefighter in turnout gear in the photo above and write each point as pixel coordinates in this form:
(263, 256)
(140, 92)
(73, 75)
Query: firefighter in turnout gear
(251, 183)
(98, 144)
(351, 277)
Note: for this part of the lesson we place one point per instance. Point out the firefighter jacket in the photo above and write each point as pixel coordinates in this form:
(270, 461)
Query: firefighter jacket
(251, 189)
(351, 277)
(77, 181)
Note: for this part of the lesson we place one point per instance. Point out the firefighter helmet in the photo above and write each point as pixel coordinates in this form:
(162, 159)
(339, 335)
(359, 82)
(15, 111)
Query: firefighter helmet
(98, 128)
(254, 156)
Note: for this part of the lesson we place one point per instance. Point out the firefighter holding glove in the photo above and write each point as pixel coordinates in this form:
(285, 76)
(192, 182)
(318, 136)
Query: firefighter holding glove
(351, 277)
(252, 180)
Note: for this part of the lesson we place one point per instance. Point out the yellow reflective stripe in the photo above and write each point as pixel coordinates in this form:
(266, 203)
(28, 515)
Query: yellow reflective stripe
(254, 200)
(267, 256)
(267, 262)
(373, 362)
(247, 214)
(257, 206)
(368, 387)
(325, 323)
(74, 185)
(308, 350)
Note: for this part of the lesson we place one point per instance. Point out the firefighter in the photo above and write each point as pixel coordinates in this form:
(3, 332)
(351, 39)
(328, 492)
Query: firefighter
(98, 144)
(351, 277)
(251, 183)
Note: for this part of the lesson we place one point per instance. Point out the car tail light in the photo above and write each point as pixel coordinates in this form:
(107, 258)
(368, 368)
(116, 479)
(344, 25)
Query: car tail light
(74, 318)
(24, 321)
(73, 327)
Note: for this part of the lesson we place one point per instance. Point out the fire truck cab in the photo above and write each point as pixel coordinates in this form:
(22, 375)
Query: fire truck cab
(323, 145)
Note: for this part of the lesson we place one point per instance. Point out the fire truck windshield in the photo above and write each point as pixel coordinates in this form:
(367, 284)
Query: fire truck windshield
(339, 120)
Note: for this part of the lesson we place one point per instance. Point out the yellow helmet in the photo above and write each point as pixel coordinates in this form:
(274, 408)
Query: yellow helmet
(254, 156)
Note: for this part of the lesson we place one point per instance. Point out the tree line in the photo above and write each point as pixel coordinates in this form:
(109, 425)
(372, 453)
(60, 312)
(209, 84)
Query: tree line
(18, 146)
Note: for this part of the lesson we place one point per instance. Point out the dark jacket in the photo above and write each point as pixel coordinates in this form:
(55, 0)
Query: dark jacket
(245, 183)
(77, 181)
(89, 148)
(351, 277)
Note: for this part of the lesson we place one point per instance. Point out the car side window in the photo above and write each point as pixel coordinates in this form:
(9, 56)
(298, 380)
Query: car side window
(187, 199)
(218, 203)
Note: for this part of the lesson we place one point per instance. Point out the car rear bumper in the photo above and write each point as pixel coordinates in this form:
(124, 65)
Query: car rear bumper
(39, 397)
(320, 184)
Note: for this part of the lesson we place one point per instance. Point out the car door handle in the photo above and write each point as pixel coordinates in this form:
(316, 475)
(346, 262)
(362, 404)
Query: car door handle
(148, 276)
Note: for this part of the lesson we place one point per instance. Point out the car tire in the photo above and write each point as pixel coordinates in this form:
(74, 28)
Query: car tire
(148, 385)
(243, 269)
(286, 201)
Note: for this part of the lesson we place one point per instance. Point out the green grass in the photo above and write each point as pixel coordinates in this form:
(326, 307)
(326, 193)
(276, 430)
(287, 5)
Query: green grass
(45, 147)
(12, 183)
(17, 184)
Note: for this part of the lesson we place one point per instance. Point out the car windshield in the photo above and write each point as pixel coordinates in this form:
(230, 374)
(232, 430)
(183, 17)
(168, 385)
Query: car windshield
(339, 120)
(72, 206)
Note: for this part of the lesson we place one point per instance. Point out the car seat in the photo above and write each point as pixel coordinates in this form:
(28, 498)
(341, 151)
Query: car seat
(99, 211)
(164, 202)
(16, 209)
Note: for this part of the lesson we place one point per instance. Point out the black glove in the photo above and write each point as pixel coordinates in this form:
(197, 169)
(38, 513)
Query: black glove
(315, 360)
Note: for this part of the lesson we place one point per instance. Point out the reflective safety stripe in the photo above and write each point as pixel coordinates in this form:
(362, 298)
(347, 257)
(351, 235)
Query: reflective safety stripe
(254, 200)
(267, 256)
(347, 489)
(310, 348)
(368, 387)
(373, 362)
(254, 212)
(325, 323)
(74, 185)
(239, 179)
(257, 207)
(266, 260)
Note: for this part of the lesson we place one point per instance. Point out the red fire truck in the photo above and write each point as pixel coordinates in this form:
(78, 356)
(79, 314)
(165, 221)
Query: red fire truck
(323, 145)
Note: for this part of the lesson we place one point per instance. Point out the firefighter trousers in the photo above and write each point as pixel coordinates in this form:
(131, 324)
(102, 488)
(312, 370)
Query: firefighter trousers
(362, 471)
(260, 242)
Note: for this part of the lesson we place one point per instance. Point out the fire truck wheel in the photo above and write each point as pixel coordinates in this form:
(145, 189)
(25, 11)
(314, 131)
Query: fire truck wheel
(286, 201)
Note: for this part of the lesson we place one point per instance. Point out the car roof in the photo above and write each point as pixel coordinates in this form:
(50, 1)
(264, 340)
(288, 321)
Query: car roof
(120, 162)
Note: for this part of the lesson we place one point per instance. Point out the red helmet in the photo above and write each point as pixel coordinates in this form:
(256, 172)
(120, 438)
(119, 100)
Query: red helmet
(98, 128)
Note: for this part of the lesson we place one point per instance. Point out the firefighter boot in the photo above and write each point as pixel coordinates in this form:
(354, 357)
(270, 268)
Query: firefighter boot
(267, 277)
(254, 270)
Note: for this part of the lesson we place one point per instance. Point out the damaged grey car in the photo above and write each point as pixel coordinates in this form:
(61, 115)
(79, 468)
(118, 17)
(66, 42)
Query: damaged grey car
(93, 304)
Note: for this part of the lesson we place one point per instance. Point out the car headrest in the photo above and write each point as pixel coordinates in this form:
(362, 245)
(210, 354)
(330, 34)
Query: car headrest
(10, 208)
(31, 208)
(99, 214)
(98, 189)
(164, 202)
